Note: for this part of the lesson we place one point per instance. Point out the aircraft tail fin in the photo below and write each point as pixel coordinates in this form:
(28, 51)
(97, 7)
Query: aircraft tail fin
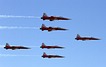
(44, 15)
(43, 25)
(44, 54)
(7, 44)
(43, 44)
(78, 36)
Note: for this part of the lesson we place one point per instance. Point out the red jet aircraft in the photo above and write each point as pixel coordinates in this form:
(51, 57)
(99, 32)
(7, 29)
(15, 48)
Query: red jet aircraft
(49, 47)
(52, 18)
(51, 56)
(78, 37)
(14, 47)
(43, 27)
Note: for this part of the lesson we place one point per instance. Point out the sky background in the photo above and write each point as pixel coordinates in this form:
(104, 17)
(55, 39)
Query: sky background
(88, 19)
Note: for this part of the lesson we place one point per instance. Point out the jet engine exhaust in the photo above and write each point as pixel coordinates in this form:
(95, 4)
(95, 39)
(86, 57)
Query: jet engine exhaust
(17, 27)
(14, 55)
(12, 16)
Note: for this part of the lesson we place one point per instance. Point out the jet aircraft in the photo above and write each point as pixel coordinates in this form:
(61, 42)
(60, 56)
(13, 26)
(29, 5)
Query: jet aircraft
(51, 56)
(78, 37)
(49, 47)
(52, 18)
(14, 47)
(43, 27)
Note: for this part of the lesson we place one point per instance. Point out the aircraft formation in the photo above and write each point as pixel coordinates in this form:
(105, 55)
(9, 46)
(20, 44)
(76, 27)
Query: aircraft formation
(49, 29)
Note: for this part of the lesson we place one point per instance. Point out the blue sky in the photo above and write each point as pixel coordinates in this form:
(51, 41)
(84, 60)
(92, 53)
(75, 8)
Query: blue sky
(88, 19)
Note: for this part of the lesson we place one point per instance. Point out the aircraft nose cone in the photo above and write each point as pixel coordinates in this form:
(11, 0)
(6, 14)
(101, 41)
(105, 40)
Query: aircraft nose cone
(66, 29)
(98, 39)
(69, 19)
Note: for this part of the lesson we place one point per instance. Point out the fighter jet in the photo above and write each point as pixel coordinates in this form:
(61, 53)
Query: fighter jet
(51, 56)
(78, 37)
(52, 18)
(14, 47)
(49, 47)
(43, 27)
